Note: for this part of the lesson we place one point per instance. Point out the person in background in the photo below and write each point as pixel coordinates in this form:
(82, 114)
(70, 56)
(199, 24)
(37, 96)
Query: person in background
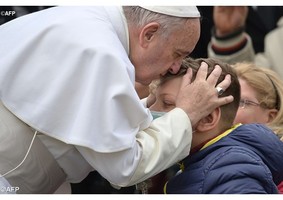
(67, 94)
(225, 158)
(260, 21)
(232, 44)
(261, 98)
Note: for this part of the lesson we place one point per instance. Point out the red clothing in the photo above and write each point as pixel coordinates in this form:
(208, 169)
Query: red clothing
(280, 187)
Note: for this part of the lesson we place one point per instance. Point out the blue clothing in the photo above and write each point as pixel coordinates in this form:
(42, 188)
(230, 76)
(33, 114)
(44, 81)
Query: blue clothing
(249, 160)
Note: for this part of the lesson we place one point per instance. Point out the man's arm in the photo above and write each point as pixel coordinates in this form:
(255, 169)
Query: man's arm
(165, 142)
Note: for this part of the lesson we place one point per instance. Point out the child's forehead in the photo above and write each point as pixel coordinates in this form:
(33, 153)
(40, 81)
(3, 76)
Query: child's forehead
(172, 82)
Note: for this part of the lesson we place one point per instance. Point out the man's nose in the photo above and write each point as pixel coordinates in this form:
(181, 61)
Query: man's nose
(175, 67)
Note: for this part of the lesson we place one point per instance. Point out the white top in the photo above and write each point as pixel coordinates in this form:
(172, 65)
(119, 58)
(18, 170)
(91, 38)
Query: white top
(65, 71)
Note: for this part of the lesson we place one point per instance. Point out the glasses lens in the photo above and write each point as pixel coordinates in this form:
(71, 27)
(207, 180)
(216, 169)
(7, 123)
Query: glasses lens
(242, 104)
(245, 102)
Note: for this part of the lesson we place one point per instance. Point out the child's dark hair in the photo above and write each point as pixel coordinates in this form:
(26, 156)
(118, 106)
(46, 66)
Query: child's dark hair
(229, 110)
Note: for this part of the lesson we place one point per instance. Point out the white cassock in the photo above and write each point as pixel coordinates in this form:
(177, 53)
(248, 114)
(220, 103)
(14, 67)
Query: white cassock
(65, 72)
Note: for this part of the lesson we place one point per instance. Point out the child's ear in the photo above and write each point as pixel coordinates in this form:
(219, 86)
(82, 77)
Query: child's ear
(210, 121)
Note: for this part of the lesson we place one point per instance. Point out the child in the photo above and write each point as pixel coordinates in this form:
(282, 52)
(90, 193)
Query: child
(223, 159)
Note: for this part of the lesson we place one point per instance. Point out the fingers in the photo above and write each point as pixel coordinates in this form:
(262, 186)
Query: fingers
(224, 100)
(225, 83)
(212, 79)
(202, 72)
(214, 75)
(187, 78)
(200, 97)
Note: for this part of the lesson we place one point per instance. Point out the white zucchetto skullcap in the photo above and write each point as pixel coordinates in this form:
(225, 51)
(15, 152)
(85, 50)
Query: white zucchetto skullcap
(176, 11)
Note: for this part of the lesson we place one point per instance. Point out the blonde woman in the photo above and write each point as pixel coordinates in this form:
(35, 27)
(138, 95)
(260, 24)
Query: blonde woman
(261, 97)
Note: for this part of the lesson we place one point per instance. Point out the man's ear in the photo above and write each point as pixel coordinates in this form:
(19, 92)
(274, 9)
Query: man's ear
(147, 33)
(210, 121)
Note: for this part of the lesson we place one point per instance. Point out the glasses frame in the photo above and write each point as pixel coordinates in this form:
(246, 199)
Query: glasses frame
(246, 102)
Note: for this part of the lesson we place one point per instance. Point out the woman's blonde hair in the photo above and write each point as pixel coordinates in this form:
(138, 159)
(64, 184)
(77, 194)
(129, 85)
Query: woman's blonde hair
(269, 90)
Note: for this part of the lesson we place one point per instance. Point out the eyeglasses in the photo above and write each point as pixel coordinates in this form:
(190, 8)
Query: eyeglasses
(245, 103)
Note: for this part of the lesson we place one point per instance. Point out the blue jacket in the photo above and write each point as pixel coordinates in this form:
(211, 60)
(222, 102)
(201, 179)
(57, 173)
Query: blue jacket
(249, 160)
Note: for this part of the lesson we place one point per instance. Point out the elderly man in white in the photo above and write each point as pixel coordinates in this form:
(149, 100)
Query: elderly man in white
(68, 102)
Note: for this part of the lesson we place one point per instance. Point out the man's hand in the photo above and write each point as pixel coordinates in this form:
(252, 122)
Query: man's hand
(228, 19)
(200, 97)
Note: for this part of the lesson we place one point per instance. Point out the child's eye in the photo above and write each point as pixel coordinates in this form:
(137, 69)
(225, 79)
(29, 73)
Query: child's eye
(168, 104)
